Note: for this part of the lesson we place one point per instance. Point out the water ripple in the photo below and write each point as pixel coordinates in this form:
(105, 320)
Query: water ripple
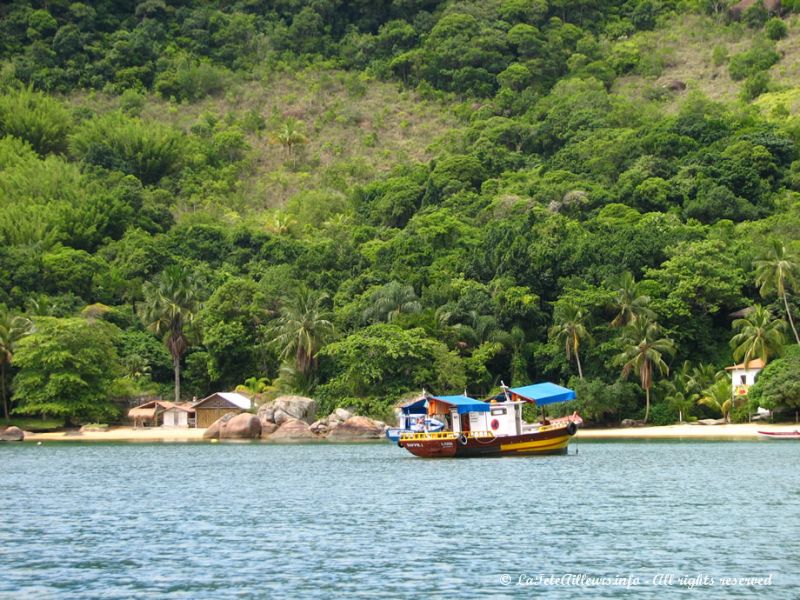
(254, 520)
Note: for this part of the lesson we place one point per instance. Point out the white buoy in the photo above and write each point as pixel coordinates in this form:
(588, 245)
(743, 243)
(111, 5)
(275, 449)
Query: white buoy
(38, 443)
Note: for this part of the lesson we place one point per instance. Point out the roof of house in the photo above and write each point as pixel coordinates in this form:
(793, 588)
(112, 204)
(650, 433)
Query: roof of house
(184, 407)
(234, 398)
(755, 363)
(742, 312)
(142, 413)
(148, 409)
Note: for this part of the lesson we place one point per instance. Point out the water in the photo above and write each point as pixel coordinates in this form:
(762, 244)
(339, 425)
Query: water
(320, 521)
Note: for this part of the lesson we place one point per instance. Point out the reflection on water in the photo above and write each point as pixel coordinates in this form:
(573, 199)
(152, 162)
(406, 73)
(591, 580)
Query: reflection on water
(254, 520)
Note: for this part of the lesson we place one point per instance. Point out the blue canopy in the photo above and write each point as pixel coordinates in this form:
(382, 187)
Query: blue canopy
(542, 393)
(464, 404)
(415, 407)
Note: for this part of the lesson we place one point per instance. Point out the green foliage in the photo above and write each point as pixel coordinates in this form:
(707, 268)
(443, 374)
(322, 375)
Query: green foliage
(759, 336)
(775, 29)
(171, 302)
(718, 397)
(546, 202)
(188, 79)
(114, 141)
(755, 85)
(759, 58)
(40, 120)
(601, 403)
(13, 328)
(778, 385)
(755, 15)
(385, 361)
(66, 369)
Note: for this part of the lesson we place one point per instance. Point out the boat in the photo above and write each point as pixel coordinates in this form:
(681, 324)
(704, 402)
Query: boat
(780, 435)
(413, 417)
(494, 427)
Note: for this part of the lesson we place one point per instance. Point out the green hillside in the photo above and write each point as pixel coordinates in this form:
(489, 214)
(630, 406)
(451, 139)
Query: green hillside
(357, 200)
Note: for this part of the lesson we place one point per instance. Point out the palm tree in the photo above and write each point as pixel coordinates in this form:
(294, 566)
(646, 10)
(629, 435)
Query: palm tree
(644, 351)
(777, 270)
(569, 329)
(171, 301)
(760, 336)
(12, 329)
(291, 135)
(629, 302)
(391, 301)
(680, 392)
(719, 397)
(302, 328)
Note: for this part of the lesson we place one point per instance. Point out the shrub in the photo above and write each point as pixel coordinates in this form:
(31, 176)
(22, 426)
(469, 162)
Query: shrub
(663, 414)
(759, 58)
(719, 55)
(755, 85)
(147, 150)
(775, 29)
(187, 79)
(38, 119)
(755, 15)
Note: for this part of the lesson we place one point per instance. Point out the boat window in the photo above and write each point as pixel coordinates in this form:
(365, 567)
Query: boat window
(498, 411)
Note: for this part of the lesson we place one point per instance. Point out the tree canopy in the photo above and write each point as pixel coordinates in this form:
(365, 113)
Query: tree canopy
(355, 200)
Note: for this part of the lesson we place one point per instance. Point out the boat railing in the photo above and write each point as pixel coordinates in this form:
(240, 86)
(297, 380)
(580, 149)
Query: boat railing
(428, 435)
(444, 435)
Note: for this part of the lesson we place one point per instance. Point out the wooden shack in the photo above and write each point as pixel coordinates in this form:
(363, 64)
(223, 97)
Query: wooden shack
(149, 414)
(216, 405)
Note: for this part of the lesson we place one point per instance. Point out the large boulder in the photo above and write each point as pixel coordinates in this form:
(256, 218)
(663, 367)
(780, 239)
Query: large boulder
(320, 427)
(266, 413)
(234, 426)
(342, 414)
(357, 428)
(12, 434)
(293, 430)
(267, 428)
(212, 431)
(284, 408)
(297, 407)
(244, 426)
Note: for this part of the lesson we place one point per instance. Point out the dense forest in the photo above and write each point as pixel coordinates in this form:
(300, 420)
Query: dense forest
(356, 200)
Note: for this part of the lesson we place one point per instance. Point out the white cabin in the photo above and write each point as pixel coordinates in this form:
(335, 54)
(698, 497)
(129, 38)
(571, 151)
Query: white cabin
(743, 376)
(177, 416)
(503, 418)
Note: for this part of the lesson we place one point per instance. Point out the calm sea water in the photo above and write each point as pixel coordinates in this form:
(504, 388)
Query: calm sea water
(314, 521)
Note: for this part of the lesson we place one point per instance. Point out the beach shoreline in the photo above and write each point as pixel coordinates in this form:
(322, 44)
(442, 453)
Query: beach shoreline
(736, 431)
(732, 431)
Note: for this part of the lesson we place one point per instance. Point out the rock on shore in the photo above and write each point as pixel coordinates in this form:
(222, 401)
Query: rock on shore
(285, 408)
(357, 428)
(12, 434)
(287, 419)
(293, 430)
(232, 426)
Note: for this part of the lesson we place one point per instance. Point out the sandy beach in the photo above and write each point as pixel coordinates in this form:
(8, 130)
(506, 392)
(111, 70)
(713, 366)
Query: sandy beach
(120, 434)
(734, 431)
(742, 431)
